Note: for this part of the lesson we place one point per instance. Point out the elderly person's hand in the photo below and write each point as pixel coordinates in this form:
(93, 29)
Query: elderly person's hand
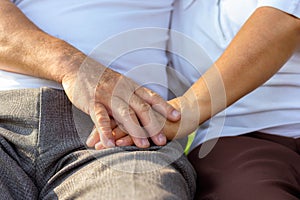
(104, 94)
(189, 122)
(93, 88)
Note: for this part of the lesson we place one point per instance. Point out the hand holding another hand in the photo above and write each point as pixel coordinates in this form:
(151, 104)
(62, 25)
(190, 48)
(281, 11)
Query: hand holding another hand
(104, 94)
(173, 130)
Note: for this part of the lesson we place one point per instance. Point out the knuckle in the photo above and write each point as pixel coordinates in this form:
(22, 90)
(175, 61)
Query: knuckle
(145, 107)
(131, 114)
(103, 119)
(106, 133)
(123, 111)
(103, 116)
(156, 99)
(99, 109)
(126, 112)
(153, 94)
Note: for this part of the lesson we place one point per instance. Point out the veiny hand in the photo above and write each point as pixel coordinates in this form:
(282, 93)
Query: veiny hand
(187, 124)
(94, 140)
(103, 93)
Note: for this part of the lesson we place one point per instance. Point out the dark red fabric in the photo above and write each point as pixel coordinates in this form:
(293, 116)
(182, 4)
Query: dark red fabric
(254, 166)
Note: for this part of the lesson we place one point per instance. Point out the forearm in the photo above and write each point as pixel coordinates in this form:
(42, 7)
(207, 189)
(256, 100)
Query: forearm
(259, 50)
(26, 49)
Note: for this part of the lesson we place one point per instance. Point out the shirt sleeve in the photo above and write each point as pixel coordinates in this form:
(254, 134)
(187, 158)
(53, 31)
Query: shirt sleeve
(289, 6)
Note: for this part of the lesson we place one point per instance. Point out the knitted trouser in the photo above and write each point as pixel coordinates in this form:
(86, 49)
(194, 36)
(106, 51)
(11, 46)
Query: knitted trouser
(43, 156)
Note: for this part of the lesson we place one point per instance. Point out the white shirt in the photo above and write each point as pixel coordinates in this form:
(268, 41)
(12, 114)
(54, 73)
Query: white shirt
(209, 26)
(104, 29)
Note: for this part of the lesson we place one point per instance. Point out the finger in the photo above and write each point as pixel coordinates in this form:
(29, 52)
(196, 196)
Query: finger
(113, 124)
(158, 103)
(122, 139)
(159, 139)
(140, 142)
(127, 118)
(125, 141)
(139, 135)
(103, 125)
(118, 133)
(99, 146)
(146, 115)
(121, 127)
(93, 138)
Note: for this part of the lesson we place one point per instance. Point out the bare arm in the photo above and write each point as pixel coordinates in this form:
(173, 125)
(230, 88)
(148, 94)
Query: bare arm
(262, 46)
(26, 49)
(258, 51)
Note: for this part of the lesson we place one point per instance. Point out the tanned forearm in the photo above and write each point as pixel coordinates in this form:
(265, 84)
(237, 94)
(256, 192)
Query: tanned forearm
(93, 88)
(26, 49)
(259, 50)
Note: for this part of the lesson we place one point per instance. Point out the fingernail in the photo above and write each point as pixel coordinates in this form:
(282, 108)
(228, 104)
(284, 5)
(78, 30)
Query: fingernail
(90, 141)
(162, 139)
(145, 142)
(119, 142)
(175, 113)
(99, 146)
(110, 143)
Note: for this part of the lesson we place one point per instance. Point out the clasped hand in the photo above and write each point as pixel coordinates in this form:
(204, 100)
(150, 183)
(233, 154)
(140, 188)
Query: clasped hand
(188, 123)
(112, 99)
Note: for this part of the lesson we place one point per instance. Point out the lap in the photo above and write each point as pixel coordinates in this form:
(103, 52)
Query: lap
(44, 136)
(253, 166)
(123, 173)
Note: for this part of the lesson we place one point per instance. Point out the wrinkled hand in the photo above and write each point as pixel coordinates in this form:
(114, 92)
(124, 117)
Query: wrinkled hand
(173, 130)
(121, 137)
(103, 93)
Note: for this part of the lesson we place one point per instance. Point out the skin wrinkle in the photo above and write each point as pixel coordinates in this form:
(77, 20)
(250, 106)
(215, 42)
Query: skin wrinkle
(256, 53)
(35, 53)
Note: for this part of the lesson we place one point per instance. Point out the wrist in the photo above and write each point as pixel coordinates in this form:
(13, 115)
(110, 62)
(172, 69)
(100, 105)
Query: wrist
(67, 63)
(190, 115)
